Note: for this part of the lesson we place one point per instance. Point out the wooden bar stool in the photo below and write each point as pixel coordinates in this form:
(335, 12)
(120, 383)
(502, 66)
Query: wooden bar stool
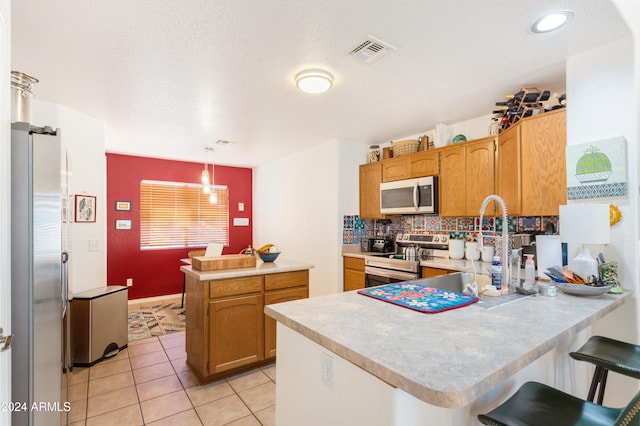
(538, 404)
(608, 355)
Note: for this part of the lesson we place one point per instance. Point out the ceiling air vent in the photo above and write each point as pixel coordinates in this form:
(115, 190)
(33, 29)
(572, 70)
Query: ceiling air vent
(371, 50)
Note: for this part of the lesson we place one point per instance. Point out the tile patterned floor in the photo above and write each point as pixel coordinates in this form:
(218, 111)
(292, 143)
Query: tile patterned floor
(149, 383)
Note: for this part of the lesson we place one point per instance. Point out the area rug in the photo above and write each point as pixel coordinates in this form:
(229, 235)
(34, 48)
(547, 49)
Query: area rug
(155, 320)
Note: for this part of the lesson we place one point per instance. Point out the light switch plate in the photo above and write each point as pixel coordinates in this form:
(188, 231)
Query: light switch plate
(94, 245)
(240, 221)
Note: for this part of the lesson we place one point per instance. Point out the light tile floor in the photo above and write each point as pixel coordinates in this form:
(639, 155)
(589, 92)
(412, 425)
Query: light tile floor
(149, 383)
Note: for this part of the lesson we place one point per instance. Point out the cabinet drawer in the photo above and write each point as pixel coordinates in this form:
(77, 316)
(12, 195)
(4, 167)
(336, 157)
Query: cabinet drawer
(235, 286)
(353, 263)
(286, 280)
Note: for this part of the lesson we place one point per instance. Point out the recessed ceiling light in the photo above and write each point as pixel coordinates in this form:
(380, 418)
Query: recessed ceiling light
(314, 81)
(552, 21)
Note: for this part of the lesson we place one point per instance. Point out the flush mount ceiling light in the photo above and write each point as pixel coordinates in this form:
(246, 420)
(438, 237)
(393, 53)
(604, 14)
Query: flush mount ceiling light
(314, 81)
(552, 21)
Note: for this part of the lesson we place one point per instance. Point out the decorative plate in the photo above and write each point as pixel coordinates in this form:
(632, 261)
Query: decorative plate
(583, 290)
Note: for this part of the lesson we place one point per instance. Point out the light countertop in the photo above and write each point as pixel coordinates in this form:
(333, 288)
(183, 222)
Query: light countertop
(446, 359)
(261, 268)
(461, 265)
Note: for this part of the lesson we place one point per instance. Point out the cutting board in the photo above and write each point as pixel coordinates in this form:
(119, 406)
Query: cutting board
(225, 261)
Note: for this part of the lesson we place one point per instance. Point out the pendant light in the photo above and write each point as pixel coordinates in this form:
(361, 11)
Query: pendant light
(204, 177)
(208, 185)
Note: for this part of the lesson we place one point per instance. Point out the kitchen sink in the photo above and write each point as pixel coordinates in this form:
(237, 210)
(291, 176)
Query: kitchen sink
(450, 282)
(456, 282)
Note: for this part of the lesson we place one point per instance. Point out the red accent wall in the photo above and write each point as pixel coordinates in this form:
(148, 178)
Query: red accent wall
(157, 272)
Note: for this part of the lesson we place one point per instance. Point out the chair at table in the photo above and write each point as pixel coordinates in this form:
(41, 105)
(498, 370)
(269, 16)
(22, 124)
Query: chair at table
(608, 355)
(191, 255)
(538, 404)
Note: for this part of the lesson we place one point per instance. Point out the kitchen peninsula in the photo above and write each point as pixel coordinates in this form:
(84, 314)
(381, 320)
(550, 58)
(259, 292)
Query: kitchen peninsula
(371, 362)
(226, 329)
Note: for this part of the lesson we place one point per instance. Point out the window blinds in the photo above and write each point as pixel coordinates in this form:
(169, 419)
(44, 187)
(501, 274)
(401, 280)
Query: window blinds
(179, 215)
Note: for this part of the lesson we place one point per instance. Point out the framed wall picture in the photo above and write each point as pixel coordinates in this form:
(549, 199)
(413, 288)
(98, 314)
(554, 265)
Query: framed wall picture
(85, 208)
(123, 224)
(123, 206)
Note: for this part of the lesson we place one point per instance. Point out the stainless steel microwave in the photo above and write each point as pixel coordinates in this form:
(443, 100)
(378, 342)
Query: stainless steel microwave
(410, 196)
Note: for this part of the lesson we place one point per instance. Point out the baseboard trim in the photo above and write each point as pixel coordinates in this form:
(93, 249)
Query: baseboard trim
(155, 299)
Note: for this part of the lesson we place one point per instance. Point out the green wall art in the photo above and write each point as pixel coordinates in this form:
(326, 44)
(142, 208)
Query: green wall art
(597, 169)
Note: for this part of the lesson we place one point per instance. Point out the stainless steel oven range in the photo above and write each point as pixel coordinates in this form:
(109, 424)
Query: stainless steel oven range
(404, 265)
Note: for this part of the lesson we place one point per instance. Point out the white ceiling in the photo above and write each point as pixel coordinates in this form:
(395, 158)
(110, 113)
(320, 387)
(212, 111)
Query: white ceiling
(170, 77)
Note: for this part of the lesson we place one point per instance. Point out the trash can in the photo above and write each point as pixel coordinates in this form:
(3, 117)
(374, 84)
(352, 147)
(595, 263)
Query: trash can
(99, 327)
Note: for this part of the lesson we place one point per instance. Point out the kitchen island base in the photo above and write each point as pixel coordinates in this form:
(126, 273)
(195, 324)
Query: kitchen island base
(337, 392)
(227, 331)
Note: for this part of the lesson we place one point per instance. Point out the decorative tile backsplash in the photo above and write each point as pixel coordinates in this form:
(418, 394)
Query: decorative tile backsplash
(354, 228)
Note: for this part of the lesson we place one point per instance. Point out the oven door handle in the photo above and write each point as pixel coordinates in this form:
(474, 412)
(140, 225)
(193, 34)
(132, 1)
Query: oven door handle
(416, 196)
(388, 273)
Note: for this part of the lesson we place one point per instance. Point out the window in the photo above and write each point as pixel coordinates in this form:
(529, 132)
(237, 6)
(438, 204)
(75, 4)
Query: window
(179, 215)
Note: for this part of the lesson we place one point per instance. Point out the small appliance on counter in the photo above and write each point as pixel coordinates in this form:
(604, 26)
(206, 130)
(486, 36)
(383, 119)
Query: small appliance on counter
(383, 245)
(366, 244)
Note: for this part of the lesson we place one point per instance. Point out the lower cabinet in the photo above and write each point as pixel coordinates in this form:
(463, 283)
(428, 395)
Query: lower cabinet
(236, 337)
(227, 330)
(353, 273)
(278, 296)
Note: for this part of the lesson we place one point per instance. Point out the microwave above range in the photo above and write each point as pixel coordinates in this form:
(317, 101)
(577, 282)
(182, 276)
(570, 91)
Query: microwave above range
(410, 196)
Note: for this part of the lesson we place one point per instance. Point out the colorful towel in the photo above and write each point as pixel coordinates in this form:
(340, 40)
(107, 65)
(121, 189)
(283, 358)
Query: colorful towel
(418, 297)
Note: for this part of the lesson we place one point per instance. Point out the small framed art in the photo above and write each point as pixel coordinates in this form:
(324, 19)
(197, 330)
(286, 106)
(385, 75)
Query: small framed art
(123, 206)
(123, 224)
(85, 208)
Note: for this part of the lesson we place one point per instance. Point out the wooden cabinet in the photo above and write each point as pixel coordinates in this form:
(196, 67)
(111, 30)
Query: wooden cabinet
(236, 337)
(280, 288)
(353, 273)
(480, 175)
(423, 163)
(531, 168)
(370, 179)
(466, 177)
(394, 169)
(226, 328)
(452, 190)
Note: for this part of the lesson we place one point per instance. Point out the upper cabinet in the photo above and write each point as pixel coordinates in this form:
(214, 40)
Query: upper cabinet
(531, 168)
(467, 177)
(424, 163)
(370, 179)
(394, 169)
(525, 165)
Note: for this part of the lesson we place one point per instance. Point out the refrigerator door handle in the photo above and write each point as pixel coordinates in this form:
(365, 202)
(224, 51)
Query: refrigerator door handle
(64, 288)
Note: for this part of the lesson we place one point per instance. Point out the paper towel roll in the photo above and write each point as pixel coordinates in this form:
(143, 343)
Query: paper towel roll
(548, 253)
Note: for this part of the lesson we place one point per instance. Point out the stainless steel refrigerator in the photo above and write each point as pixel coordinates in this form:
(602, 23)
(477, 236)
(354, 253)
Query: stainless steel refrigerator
(38, 277)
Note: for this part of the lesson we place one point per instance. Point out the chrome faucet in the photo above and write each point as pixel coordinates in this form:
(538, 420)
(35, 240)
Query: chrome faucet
(505, 235)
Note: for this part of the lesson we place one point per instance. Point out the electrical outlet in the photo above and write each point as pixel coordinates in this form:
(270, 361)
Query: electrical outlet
(129, 282)
(328, 371)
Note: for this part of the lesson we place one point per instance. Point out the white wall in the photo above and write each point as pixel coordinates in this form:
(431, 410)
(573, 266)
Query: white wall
(84, 139)
(295, 207)
(602, 103)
